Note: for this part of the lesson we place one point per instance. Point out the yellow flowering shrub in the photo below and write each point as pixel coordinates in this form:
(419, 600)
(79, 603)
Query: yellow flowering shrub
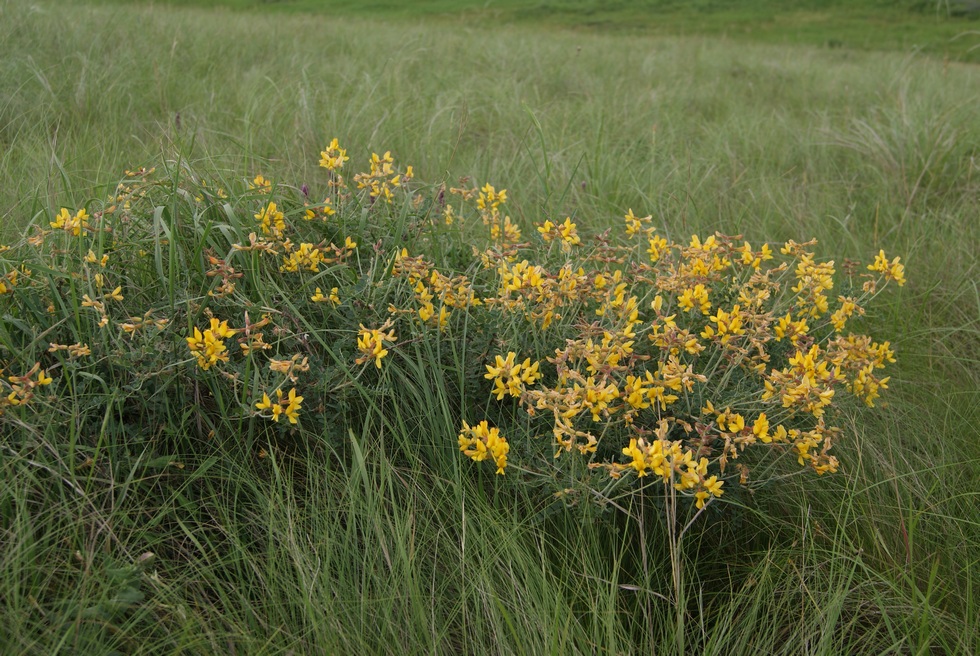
(639, 357)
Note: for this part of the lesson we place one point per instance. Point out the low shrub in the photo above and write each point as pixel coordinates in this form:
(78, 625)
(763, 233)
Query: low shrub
(184, 309)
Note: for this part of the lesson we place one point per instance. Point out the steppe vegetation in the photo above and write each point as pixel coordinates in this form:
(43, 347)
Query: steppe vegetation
(264, 300)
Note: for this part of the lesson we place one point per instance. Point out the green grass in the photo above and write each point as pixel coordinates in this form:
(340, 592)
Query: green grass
(314, 549)
(945, 28)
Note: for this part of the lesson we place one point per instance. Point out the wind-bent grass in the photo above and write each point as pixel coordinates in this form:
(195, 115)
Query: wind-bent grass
(309, 551)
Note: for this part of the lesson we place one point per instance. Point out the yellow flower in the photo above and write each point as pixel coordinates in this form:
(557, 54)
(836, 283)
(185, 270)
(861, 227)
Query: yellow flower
(569, 235)
(697, 295)
(371, 344)
(657, 247)
(333, 157)
(711, 486)
(73, 224)
(261, 184)
(221, 329)
(639, 462)
(320, 297)
(634, 224)
(761, 428)
(480, 441)
(890, 270)
(208, 347)
(271, 220)
(264, 404)
(490, 198)
(61, 219)
(510, 377)
(292, 405)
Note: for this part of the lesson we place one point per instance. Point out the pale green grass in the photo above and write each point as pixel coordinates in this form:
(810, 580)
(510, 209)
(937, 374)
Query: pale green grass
(311, 551)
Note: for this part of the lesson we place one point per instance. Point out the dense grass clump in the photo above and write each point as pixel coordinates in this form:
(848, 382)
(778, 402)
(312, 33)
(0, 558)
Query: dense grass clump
(190, 271)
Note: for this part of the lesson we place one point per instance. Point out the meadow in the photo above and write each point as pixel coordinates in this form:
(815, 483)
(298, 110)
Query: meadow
(150, 504)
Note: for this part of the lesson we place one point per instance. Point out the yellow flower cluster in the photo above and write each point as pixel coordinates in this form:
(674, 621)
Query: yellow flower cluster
(727, 326)
(481, 442)
(755, 259)
(672, 463)
(271, 220)
(288, 407)
(209, 347)
(22, 388)
(9, 281)
(73, 223)
(565, 234)
(371, 343)
(489, 199)
(261, 184)
(333, 297)
(890, 270)
(793, 330)
(530, 289)
(718, 310)
(504, 233)
(807, 383)
(307, 256)
(813, 279)
(861, 358)
(696, 296)
(510, 377)
(635, 224)
(311, 257)
(333, 157)
(429, 285)
(382, 179)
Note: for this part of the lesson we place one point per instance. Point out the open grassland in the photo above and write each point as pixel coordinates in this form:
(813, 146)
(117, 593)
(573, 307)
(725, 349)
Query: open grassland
(373, 533)
(945, 28)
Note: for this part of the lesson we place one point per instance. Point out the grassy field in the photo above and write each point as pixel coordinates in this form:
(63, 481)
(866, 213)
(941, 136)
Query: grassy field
(944, 28)
(375, 534)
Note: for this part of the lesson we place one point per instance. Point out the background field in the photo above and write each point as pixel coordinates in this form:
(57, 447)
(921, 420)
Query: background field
(776, 129)
(938, 27)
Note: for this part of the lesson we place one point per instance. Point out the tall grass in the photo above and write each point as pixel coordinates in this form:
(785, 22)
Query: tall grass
(372, 545)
